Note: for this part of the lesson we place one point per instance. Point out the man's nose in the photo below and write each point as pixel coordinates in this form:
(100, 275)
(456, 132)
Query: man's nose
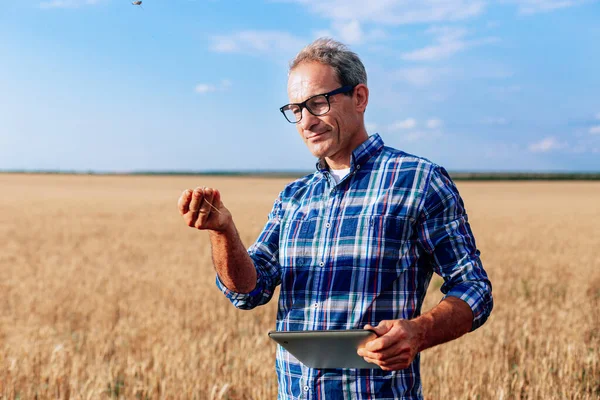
(308, 120)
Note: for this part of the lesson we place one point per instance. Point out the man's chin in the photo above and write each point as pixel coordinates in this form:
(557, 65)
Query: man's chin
(318, 151)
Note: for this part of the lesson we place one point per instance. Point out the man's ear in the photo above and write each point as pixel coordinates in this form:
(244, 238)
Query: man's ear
(361, 96)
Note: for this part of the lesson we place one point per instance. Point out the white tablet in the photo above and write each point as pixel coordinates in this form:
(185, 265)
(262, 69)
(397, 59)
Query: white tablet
(326, 349)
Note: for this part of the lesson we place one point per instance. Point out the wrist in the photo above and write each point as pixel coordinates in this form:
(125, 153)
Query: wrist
(422, 326)
(227, 230)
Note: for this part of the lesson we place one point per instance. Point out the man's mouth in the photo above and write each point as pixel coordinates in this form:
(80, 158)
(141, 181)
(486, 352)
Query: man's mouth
(315, 135)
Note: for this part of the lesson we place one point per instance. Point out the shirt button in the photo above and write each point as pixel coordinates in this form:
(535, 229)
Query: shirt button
(321, 264)
(306, 388)
(358, 166)
(316, 305)
(328, 225)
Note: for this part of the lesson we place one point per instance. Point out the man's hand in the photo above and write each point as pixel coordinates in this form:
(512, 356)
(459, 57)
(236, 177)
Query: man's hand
(202, 208)
(400, 340)
(396, 346)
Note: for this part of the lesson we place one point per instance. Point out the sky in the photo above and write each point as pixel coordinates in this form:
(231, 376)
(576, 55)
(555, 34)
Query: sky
(196, 85)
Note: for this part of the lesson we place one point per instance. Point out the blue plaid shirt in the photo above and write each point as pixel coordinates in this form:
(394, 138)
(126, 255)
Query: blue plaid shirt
(360, 252)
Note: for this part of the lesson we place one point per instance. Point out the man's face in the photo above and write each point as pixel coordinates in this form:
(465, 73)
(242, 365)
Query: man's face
(333, 135)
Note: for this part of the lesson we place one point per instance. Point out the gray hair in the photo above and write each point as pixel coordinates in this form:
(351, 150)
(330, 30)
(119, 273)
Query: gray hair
(349, 69)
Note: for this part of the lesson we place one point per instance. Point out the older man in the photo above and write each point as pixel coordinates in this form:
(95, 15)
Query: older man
(353, 245)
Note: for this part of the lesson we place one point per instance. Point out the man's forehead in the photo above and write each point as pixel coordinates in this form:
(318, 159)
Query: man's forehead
(308, 79)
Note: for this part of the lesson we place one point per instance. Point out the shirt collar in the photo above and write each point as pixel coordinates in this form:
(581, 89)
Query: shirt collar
(360, 155)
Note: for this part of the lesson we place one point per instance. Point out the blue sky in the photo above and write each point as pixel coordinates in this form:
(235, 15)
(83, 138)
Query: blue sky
(103, 85)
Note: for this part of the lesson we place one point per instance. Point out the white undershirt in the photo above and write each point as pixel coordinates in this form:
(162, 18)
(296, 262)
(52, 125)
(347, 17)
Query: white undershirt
(339, 174)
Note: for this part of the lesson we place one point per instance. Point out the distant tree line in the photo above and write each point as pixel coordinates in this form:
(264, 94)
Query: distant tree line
(460, 176)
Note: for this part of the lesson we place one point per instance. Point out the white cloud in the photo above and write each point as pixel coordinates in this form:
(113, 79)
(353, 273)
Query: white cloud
(434, 123)
(415, 136)
(546, 145)
(420, 76)
(256, 42)
(205, 88)
(209, 87)
(351, 32)
(595, 130)
(527, 7)
(445, 48)
(449, 41)
(395, 12)
(408, 123)
(67, 3)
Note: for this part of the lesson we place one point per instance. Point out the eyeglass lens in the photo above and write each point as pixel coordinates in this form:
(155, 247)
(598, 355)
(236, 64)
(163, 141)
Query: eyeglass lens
(317, 105)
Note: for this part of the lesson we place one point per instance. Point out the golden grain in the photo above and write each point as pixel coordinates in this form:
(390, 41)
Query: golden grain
(105, 293)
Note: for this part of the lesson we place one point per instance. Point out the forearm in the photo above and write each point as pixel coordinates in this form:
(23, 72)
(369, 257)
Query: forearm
(447, 321)
(231, 260)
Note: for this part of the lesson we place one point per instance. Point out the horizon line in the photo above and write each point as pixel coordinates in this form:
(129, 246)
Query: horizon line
(455, 174)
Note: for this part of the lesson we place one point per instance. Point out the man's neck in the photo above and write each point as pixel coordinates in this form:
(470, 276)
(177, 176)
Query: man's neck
(342, 160)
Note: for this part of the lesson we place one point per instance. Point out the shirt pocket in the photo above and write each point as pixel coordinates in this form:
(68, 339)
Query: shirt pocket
(374, 243)
(297, 242)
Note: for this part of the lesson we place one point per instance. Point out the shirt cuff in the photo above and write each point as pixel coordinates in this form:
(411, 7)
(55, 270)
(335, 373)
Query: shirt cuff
(240, 299)
(478, 296)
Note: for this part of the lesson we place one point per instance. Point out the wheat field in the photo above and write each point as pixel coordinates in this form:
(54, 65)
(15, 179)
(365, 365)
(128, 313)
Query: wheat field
(105, 293)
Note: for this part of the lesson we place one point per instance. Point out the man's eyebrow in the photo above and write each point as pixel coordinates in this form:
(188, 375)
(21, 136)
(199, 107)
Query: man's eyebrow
(309, 96)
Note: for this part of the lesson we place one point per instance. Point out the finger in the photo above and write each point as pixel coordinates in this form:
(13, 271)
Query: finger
(402, 359)
(366, 354)
(196, 200)
(382, 342)
(205, 202)
(184, 201)
(205, 208)
(383, 347)
(209, 194)
(216, 201)
(381, 330)
(386, 358)
(398, 363)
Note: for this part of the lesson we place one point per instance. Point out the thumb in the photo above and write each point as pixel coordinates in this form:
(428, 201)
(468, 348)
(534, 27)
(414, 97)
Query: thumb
(217, 198)
(381, 329)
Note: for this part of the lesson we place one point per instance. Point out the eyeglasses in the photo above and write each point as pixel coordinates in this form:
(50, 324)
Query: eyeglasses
(316, 105)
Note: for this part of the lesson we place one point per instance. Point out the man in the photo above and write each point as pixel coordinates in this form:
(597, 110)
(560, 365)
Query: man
(354, 244)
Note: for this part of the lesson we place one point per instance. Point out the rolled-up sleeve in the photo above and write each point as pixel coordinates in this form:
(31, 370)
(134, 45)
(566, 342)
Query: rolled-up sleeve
(444, 233)
(265, 256)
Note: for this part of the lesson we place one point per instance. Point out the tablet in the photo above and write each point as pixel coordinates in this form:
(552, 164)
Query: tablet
(326, 349)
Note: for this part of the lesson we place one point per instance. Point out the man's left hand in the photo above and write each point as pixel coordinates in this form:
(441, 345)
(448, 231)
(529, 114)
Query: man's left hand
(396, 346)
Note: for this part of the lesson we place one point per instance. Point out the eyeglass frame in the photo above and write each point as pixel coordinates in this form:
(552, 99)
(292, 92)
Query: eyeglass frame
(343, 89)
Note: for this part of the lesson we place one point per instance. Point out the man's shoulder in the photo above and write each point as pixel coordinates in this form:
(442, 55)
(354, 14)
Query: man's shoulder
(391, 154)
(405, 162)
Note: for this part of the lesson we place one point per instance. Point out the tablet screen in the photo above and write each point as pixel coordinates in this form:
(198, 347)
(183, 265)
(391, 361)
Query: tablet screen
(326, 349)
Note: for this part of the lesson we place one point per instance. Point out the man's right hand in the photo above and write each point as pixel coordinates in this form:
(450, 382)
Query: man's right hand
(202, 208)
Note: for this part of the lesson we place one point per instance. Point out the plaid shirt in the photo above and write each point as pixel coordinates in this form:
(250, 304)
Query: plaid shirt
(360, 252)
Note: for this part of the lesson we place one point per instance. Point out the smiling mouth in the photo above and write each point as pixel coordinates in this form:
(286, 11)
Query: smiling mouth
(314, 136)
